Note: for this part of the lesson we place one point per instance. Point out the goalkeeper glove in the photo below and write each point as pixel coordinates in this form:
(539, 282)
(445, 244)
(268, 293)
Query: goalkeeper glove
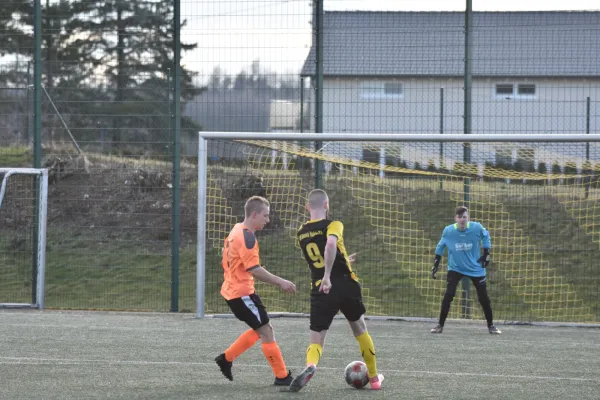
(436, 265)
(485, 259)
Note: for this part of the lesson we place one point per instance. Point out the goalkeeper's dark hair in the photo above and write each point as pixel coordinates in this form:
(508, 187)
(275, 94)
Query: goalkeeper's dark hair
(461, 210)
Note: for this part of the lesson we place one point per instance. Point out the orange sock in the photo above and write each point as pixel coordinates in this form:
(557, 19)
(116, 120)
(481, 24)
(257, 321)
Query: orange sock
(274, 357)
(241, 344)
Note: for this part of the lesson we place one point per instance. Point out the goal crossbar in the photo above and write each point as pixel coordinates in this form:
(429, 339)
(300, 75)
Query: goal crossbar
(406, 137)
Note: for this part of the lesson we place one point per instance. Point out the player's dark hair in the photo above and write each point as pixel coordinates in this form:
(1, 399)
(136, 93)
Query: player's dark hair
(255, 204)
(461, 210)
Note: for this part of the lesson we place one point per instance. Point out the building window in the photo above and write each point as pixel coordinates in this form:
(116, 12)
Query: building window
(381, 90)
(392, 89)
(504, 90)
(514, 91)
(526, 90)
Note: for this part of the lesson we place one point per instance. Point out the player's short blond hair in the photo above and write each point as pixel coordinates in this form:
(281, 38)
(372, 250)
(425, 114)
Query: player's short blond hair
(255, 204)
(317, 197)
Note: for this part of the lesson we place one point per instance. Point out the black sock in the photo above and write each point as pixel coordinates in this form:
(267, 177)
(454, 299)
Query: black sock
(444, 312)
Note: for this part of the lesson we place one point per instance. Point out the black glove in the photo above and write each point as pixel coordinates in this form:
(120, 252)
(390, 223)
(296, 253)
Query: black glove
(436, 265)
(485, 259)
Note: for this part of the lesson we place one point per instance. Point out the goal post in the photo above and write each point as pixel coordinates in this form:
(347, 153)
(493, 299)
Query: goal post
(23, 219)
(538, 195)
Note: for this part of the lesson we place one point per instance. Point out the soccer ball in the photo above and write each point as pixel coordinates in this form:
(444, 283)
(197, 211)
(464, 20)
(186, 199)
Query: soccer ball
(356, 374)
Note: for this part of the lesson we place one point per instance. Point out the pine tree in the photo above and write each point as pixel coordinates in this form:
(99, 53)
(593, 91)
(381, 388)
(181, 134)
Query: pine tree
(15, 68)
(17, 46)
(131, 45)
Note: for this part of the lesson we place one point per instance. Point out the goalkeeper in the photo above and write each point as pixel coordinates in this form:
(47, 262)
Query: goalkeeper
(463, 240)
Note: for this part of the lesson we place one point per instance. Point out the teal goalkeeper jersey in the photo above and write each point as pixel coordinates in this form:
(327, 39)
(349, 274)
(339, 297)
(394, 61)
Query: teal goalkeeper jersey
(463, 248)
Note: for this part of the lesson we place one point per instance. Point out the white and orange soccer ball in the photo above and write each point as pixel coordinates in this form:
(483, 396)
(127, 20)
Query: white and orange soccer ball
(356, 374)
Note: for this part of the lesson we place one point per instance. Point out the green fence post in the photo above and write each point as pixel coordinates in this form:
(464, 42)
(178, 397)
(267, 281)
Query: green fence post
(37, 130)
(28, 106)
(301, 105)
(587, 148)
(441, 131)
(318, 37)
(176, 158)
(467, 130)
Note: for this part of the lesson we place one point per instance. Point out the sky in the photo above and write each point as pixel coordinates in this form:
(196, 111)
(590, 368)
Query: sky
(232, 34)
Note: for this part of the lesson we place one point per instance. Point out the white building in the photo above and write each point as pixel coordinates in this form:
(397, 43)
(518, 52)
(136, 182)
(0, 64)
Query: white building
(402, 72)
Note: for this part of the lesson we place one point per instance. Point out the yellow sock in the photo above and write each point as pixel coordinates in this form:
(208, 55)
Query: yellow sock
(313, 354)
(367, 349)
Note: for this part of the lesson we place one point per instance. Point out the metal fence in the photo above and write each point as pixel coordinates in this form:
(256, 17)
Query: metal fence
(91, 91)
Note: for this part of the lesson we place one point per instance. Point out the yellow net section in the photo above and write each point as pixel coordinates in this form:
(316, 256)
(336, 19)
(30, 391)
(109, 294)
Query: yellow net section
(540, 203)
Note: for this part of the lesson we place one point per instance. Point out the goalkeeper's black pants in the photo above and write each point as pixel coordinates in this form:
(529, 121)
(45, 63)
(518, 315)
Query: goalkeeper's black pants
(452, 279)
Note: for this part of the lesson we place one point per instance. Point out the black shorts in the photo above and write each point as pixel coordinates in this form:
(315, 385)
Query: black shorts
(249, 309)
(345, 296)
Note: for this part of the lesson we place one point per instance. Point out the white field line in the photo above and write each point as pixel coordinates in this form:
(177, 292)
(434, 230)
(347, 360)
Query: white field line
(75, 361)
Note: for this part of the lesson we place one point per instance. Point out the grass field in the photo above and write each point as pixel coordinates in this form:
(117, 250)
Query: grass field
(15, 156)
(74, 355)
(109, 241)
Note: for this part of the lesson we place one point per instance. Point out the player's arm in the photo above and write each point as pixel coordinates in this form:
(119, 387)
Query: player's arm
(486, 243)
(439, 252)
(329, 258)
(334, 232)
(265, 276)
(330, 253)
(251, 262)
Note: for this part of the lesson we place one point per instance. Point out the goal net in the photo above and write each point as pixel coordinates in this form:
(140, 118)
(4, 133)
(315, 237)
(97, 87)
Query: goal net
(23, 204)
(538, 195)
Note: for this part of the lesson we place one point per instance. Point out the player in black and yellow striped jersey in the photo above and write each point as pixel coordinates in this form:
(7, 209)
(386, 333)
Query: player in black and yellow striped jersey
(312, 238)
(334, 288)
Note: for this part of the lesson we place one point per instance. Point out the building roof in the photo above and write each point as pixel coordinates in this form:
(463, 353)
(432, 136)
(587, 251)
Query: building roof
(526, 44)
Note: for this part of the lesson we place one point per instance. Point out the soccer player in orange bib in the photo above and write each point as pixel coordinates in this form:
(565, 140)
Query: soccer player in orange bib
(335, 288)
(241, 264)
